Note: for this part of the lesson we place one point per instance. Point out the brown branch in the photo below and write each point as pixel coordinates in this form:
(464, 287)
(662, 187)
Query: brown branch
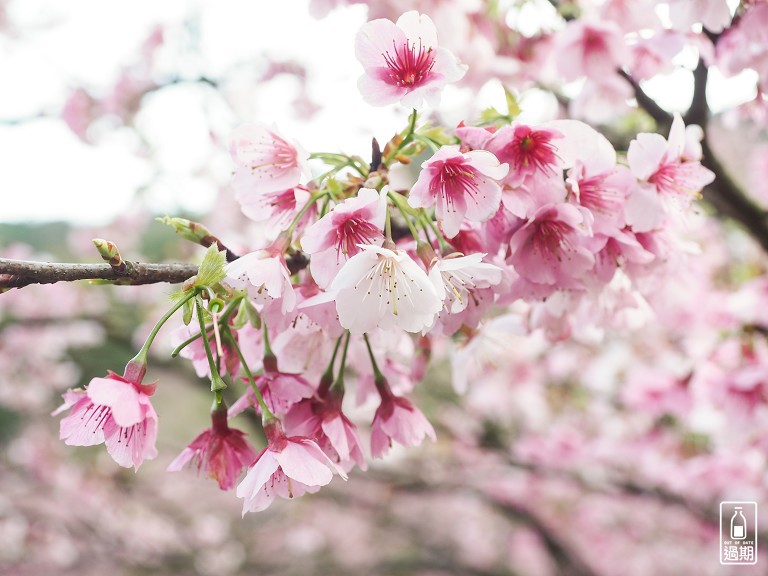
(19, 273)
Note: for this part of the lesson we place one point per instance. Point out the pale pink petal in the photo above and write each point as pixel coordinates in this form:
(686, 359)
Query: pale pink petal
(301, 462)
(121, 396)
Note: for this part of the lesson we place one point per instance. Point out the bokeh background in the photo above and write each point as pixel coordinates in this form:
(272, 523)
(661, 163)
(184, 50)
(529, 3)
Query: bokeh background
(603, 454)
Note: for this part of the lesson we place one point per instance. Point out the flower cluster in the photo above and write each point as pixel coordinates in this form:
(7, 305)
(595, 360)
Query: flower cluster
(542, 220)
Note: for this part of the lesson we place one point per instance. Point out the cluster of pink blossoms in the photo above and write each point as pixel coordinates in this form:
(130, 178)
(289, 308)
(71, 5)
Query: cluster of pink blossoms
(541, 219)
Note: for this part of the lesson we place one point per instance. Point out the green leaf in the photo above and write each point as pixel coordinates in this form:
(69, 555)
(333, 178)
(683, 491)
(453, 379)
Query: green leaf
(513, 104)
(211, 270)
(187, 312)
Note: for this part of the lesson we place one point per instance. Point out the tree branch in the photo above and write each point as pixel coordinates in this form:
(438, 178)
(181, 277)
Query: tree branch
(19, 273)
(727, 198)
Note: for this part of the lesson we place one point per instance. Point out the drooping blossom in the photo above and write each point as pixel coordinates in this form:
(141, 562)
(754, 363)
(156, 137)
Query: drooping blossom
(666, 174)
(288, 467)
(336, 237)
(266, 161)
(117, 411)
(399, 420)
(222, 451)
(280, 390)
(384, 288)
(321, 418)
(403, 62)
(229, 363)
(460, 185)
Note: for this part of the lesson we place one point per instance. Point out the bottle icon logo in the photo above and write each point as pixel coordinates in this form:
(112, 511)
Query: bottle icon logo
(738, 524)
(739, 528)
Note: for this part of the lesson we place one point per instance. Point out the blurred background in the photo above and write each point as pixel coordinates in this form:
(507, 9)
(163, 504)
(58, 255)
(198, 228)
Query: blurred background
(602, 454)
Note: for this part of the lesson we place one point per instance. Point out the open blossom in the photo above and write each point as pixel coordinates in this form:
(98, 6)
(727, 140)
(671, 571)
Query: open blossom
(460, 185)
(277, 208)
(403, 62)
(116, 411)
(666, 174)
(456, 277)
(336, 237)
(288, 467)
(266, 161)
(222, 451)
(531, 152)
(322, 420)
(265, 277)
(384, 288)
(550, 249)
(399, 420)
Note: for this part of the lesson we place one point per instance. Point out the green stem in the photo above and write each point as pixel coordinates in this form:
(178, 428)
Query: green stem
(223, 319)
(314, 198)
(142, 355)
(338, 384)
(377, 375)
(217, 384)
(398, 201)
(267, 347)
(406, 139)
(265, 411)
(441, 241)
(388, 225)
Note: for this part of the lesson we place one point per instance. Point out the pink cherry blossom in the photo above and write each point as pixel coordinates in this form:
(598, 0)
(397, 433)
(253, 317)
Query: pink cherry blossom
(594, 49)
(277, 208)
(116, 411)
(334, 239)
(457, 277)
(322, 420)
(288, 467)
(266, 278)
(280, 390)
(666, 175)
(266, 161)
(222, 451)
(384, 288)
(530, 152)
(461, 185)
(549, 248)
(403, 62)
(399, 420)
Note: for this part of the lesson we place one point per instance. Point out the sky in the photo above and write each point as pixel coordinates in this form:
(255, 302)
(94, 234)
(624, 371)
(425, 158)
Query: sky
(50, 174)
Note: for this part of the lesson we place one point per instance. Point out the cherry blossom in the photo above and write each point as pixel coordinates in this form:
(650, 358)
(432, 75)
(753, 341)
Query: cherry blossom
(403, 62)
(384, 288)
(399, 420)
(222, 451)
(116, 411)
(336, 237)
(266, 161)
(666, 176)
(460, 185)
(288, 467)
